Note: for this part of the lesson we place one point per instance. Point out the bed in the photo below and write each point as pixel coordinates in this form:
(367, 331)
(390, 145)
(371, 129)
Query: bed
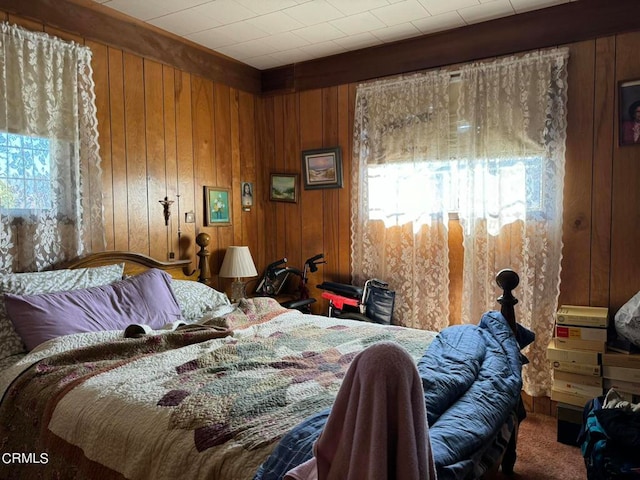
(179, 383)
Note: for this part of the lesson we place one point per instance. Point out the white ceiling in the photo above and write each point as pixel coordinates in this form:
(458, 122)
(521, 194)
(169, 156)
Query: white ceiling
(271, 33)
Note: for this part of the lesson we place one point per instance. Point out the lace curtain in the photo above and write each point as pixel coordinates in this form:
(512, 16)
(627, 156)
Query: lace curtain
(511, 145)
(399, 231)
(487, 143)
(50, 177)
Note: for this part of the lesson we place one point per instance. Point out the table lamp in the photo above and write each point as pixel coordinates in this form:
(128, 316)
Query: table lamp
(237, 264)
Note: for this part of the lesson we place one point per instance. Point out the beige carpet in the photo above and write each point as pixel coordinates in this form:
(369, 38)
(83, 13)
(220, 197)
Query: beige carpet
(541, 457)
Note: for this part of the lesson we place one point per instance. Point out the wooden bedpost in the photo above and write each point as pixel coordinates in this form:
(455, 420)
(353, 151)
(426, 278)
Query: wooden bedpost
(507, 280)
(204, 274)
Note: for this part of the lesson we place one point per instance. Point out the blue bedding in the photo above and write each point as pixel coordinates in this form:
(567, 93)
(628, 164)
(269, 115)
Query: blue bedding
(472, 381)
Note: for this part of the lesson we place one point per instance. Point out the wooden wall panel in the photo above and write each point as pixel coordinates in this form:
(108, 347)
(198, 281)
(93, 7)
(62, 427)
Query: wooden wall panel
(136, 157)
(625, 234)
(156, 160)
(118, 151)
(576, 227)
(170, 161)
(604, 140)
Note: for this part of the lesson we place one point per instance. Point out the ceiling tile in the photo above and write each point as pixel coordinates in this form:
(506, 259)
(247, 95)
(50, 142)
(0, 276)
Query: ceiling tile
(319, 33)
(184, 22)
(351, 7)
(276, 22)
(211, 38)
(262, 7)
(400, 12)
(438, 23)
(244, 50)
(241, 32)
(322, 49)
(486, 11)
(142, 9)
(397, 32)
(312, 13)
(290, 56)
(263, 62)
(361, 40)
(225, 11)
(285, 41)
(358, 23)
(436, 7)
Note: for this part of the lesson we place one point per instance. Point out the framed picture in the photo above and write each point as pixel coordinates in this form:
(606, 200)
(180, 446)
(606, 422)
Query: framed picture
(247, 196)
(217, 206)
(322, 168)
(284, 187)
(629, 114)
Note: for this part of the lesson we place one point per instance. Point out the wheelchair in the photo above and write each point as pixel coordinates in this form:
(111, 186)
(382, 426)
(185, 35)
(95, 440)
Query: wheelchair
(373, 302)
(276, 275)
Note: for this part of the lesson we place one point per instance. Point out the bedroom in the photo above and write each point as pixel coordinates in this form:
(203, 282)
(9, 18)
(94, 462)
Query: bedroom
(146, 157)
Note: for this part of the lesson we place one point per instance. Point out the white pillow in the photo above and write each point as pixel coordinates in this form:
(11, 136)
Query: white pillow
(34, 283)
(197, 299)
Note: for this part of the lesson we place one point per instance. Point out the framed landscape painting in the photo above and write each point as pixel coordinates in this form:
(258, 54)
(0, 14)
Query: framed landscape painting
(284, 187)
(322, 168)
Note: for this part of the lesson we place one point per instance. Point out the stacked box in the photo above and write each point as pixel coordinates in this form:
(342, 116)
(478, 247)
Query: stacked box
(575, 353)
(621, 371)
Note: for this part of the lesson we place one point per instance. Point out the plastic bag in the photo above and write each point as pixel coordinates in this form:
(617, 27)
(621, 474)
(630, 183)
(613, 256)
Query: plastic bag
(627, 320)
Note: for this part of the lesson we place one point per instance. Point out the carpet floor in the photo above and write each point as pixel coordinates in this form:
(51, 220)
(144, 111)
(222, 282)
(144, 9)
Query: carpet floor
(541, 456)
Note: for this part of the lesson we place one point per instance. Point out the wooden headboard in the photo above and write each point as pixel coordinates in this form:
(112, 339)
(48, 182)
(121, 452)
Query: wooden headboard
(134, 263)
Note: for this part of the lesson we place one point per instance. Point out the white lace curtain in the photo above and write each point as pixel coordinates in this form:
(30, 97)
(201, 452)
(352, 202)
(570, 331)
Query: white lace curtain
(487, 143)
(50, 177)
(398, 227)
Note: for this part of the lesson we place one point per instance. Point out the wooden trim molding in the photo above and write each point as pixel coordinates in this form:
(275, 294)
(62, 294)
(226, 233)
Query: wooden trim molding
(93, 21)
(548, 27)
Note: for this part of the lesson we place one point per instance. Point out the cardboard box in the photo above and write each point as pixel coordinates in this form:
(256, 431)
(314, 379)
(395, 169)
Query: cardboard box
(557, 352)
(632, 388)
(577, 388)
(575, 399)
(621, 373)
(576, 343)
(592, 334)
(570, 377)
(616, 359)
(583, 316)
(573, 367)
(569, 423)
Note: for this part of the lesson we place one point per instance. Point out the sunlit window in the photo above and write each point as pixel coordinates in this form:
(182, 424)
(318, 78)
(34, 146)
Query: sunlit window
(25, 172)
(420, 191)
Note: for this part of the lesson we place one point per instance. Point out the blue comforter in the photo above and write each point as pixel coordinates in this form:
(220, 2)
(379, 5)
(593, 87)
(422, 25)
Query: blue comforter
(472, 381)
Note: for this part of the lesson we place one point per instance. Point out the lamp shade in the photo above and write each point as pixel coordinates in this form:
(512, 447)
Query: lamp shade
(238, 263)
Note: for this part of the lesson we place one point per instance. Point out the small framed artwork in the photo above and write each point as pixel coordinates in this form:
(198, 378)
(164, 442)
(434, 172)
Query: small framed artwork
(247, 196)
(322, 168)
(284, 187)
(629, 114)
(217, 206)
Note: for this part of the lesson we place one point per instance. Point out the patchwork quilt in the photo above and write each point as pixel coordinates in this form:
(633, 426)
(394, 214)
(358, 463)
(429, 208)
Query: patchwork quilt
(200, 402)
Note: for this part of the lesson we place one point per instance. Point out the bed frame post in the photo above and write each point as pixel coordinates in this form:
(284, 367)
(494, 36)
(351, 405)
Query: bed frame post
(204, 274)
(507, 280)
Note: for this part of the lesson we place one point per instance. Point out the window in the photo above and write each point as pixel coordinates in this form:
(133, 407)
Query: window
(25, 172)
(417, 192)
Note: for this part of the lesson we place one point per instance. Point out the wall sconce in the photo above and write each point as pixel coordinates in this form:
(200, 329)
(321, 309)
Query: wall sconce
(238, 264)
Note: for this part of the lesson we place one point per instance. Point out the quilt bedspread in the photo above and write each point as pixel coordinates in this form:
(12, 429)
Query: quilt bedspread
(471, 376)
(202, 403)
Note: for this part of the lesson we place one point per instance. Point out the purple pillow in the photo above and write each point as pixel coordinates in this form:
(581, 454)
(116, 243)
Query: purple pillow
(146, 298)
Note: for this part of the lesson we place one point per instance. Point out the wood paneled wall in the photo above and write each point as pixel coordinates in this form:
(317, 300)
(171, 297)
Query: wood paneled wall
(601, 227)
(164, 132)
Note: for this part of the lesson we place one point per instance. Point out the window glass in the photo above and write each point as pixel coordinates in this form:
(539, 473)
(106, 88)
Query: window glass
(25, 172)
